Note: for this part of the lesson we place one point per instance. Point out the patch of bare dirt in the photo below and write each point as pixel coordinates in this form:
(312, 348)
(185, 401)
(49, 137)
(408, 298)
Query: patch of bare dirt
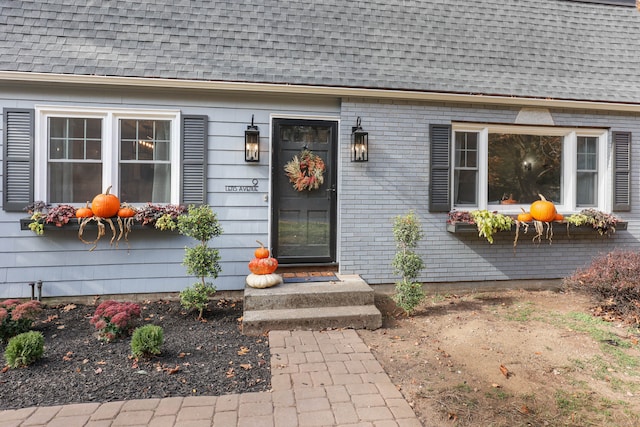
(512, 358)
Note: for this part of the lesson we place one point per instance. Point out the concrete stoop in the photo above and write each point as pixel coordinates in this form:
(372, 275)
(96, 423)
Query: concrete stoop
(347, 303)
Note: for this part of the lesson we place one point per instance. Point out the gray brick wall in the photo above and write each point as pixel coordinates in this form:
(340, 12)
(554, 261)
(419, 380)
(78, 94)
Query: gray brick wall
(396, 178)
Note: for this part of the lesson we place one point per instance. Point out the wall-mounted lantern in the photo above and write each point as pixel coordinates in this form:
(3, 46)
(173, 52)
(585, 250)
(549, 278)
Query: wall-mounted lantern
(359, 143)
(252, 143)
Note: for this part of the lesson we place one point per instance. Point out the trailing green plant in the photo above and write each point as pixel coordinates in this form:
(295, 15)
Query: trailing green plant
(488, 223)
(147, 341)
(114, 319)
(407, 233)
(200, 223)
(603, 223)
(613, 281)
(24, 349)
(17, 317)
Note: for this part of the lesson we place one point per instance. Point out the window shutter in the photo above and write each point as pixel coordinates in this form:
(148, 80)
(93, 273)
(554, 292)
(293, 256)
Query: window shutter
(18, 159)
(439, 189)
(621, 171)
(194, 160)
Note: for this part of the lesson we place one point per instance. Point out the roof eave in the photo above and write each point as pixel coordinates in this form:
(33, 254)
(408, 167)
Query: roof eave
(334, 91)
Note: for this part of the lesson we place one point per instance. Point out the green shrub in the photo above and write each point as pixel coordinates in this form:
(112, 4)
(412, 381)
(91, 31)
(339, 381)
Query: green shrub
(200, 223)
(613, 281)
(196, 297)
(24, 349)
(407, 233)
(147, 340)
(17, 317)
(408, 295)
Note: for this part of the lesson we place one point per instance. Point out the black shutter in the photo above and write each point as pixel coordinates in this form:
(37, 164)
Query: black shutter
(18, 159)
(194, 160)
(439, 188)
(621, 171)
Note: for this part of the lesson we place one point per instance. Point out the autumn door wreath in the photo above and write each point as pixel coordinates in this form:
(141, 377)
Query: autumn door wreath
(305, 172)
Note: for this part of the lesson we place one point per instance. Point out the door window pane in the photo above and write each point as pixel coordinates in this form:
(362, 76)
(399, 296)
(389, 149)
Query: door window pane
(520, 167)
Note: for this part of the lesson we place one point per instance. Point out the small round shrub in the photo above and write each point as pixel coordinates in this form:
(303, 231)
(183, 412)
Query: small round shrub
(24, 349)
(612, 280)
(147, 340)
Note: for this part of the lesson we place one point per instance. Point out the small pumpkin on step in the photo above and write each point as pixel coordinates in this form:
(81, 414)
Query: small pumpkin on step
(263, 269)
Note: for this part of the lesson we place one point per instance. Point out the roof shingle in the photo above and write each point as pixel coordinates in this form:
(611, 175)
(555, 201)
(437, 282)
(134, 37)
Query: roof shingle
(547, 48)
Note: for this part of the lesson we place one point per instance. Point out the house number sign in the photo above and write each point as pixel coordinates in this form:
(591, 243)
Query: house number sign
(243, 188)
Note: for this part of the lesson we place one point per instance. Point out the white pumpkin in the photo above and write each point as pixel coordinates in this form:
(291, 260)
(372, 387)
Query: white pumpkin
(263, 280)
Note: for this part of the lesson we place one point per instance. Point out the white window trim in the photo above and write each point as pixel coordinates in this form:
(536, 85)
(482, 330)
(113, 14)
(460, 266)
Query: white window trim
(110, 146)
(569, 135)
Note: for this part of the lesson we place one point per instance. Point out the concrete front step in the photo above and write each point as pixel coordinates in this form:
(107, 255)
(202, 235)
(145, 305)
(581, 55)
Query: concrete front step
(345, 303)
(308, 295)
(258, 322)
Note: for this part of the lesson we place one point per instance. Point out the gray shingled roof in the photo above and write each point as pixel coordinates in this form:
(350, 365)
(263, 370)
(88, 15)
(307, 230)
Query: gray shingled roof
(542, 48)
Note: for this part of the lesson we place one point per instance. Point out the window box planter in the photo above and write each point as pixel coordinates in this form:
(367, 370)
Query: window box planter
(465, 228)
(74, 225)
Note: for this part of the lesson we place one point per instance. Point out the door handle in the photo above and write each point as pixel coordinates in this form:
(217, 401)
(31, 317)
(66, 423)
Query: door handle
(329, 191)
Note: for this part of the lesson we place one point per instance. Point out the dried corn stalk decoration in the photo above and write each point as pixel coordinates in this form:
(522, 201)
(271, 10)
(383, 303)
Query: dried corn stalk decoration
(124, 227)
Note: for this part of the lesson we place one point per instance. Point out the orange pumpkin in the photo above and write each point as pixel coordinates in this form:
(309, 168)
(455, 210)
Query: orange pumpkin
(524, 216)
(261, 252)
(559, 217)
(84, 212)
(543, 210)
(105, 205)
(126, 211)
(263, 265)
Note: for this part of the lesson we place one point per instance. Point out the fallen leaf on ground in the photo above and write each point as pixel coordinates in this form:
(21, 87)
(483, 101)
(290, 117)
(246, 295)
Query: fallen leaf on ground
(69, 307)
(246, 366)
(524, 409)
(5, 369)
(67, 357)
(98, 371)
(50, 318)
(172, 371)
(505, 371)
(231, 373)
(243, 351)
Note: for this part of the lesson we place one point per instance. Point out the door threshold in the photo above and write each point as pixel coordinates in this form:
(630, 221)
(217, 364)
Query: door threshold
(304, 268)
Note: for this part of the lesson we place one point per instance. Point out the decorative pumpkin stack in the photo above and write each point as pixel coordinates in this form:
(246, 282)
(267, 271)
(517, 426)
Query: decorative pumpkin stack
(541, 210)
(262, 269)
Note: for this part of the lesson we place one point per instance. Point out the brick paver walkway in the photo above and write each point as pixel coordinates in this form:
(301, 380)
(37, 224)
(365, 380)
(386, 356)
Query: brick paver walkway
(318, 379)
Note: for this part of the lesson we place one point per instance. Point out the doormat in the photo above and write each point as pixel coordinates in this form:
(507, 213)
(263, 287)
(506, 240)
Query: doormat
(315, 276)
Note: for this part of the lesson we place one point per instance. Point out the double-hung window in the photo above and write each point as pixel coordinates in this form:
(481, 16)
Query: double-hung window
(81, 152)
(498, 166)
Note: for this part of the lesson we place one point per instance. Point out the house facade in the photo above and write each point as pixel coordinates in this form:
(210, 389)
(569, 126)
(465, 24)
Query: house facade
(465, 107)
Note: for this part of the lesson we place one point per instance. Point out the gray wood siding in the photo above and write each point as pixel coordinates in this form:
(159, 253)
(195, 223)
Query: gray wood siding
(396, 179)
(153, 262)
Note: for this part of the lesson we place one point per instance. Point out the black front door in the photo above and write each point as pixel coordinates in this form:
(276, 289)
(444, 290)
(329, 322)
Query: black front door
(304, 218)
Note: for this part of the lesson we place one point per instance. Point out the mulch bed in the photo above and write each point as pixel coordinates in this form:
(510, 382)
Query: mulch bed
(209, 357)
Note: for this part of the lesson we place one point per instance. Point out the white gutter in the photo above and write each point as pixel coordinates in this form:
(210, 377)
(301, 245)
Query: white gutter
(313, 90)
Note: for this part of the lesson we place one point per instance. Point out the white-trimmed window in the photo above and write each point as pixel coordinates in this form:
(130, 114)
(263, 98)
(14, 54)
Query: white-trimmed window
(79, 152)
(502, 167)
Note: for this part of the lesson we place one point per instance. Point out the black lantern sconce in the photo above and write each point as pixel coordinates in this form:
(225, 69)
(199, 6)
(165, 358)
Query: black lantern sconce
(252, 143)
(359, 143)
